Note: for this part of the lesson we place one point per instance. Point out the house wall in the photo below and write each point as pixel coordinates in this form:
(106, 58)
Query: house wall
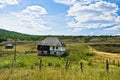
(57, 48)
(58, 51)
(43, 47)
(43, 50)
(8, 47)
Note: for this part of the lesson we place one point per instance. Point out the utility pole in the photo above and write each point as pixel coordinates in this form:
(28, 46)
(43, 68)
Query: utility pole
(15, 51)
(14, 59)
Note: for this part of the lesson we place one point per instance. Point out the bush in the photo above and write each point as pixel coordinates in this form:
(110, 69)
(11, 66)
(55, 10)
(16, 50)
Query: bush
(36, 64)
(65, 55)
(6, 66)
(90, 63)
(90, 54)
(32, 67)
(74, 57)
(57, 65)
(21, 64)
(0, 54)
(49, 64)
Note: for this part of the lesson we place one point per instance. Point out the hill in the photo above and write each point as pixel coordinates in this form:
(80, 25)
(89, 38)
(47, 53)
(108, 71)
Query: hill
(5, 35)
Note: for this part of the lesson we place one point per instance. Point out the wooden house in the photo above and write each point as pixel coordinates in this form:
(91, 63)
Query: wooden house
(51, 46)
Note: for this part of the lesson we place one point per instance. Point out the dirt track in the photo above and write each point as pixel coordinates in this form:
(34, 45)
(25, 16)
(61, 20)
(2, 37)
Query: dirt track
(105, 55)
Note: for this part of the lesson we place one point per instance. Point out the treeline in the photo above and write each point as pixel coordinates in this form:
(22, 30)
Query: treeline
(6, 35)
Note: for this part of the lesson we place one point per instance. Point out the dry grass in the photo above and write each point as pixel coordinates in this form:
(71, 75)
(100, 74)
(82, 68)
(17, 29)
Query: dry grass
(27, 65)
(105, 55)
(60, 74)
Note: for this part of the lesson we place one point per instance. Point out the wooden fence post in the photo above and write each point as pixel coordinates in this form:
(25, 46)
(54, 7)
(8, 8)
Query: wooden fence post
(103, 61)
(100, 60)
(12, 66)
(113, 62)
(107, 65)
(118, 64)
(81, 66)
(40, 65)
(67, 65)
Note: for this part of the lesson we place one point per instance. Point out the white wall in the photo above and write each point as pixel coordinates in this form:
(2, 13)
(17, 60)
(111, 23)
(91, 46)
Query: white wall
(59, 48)
(57, 51)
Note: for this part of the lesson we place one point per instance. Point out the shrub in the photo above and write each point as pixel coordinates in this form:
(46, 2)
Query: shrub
(32, 67)
(90, 63)
(49, 64)
(21, 64)
(0, 54)
(57, 65)
(74, 57)
(37, 64)
(6, 66)
(90, 54)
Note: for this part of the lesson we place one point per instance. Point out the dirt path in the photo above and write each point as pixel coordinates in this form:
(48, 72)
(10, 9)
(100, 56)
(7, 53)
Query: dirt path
(105, 55)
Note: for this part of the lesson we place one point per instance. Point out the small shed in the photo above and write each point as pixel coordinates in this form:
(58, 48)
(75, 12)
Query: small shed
(51, 46)
(9, 46)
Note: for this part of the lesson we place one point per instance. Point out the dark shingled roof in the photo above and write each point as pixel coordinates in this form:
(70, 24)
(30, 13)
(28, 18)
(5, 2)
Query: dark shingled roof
(9, 45)
(52, 41)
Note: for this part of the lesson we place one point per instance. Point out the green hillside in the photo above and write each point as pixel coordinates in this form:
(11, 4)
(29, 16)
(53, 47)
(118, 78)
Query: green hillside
(5, 35)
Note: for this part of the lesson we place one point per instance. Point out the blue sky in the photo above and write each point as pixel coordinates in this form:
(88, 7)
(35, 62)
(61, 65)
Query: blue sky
(61, 17)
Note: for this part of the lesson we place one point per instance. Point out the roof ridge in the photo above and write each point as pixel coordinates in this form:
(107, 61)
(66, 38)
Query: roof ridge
(52, 41)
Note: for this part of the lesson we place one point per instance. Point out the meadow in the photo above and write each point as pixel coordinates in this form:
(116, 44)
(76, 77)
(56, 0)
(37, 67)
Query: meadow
(111, 47)
(28, 67)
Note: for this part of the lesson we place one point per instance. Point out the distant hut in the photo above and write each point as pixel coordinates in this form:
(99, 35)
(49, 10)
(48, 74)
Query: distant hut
(51, 46)
(9, 46)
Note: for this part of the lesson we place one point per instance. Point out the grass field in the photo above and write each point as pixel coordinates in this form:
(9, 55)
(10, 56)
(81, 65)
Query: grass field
(27, 64)
(111, 47)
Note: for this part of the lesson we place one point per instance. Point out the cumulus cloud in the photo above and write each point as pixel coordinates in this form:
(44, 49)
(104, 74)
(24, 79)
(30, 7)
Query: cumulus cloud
(66, 2)
(31, 12)
(88, 14)
(3, 3)
(30, 20)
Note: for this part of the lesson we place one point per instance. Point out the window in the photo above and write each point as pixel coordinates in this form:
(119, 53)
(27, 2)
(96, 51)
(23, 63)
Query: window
(53, 47)
(56, 47)
(55, 53)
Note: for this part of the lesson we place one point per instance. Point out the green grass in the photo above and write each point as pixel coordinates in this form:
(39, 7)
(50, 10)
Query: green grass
(26, 66)
(112, 48)
(55, 73)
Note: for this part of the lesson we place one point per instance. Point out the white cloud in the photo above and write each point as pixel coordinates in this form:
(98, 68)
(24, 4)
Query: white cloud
(96, 14)
(3, 3)
(31, 12)
(29, 20)
(35, 10)
(66, 2)
(71, 2)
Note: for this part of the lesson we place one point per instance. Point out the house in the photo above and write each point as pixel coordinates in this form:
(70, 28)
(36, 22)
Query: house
(9, 46)
(51, 46)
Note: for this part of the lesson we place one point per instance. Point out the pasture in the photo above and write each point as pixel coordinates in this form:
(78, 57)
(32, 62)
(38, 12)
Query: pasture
(28, 66)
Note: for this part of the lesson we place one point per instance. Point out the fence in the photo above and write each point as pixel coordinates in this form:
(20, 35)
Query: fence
(81, 65)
